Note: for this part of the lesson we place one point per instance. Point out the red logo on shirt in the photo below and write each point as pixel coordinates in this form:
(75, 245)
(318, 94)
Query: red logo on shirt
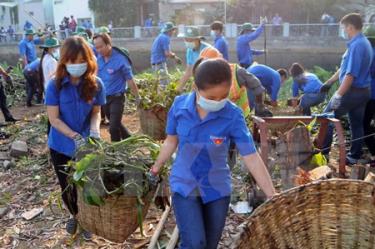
(217, 140)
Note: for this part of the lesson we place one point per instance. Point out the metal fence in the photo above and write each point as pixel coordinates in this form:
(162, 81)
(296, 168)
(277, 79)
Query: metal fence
(231, 30)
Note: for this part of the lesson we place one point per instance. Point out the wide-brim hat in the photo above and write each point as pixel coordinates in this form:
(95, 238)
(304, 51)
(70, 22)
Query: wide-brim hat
(247, 26)
(370, 32)
(104, 30)
(79, 29)
(168, 26)
(191, 32)
(50, 43)
(29, 32)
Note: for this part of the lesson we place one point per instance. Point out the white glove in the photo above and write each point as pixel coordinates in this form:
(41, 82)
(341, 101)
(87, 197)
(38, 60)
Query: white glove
(95, 134)
(335, 101)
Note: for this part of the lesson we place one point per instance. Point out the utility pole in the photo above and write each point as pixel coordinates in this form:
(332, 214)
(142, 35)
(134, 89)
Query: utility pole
(225, 11)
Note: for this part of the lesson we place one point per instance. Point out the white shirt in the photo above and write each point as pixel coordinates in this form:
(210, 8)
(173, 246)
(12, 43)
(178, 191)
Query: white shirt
(49, 67)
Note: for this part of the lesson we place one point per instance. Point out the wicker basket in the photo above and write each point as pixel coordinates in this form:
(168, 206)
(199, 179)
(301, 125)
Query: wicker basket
(116, 220)
(153, 122)
(326, 214)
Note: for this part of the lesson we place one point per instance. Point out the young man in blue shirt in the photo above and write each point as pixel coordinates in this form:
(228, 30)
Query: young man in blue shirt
(27, 47)
(370, 107)
(161, 50)
(33, 85)
(116, 73)
(194, 46)
(354, 90)
(271, 80)
(244, 51)
(221, 43)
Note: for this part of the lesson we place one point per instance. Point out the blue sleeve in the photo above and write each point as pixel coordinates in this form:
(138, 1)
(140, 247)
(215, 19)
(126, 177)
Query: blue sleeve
(166, 45)
(52, 94)
(189, 57)
(254, 35)
(257, 52)
(22, 48)
(241, 136)
(356, 56)
(275, 89)
(171, 128)
(126, 70)
(100, 96)
(37, 41)
(295, 89)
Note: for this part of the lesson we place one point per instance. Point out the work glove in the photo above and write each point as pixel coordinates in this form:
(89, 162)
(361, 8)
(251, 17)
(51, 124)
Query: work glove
(178, 60)
(262, 111)
(79, 141)
(335, 101)
(325, 88)
(153, 178)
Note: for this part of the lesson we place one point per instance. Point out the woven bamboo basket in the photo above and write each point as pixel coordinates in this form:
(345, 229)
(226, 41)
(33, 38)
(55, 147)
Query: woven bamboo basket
(153, 122)
(116, 220)
(328, 214)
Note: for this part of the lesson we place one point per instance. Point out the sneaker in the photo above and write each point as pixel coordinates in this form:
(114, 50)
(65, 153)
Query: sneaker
(350, 161)
(86, 235)
(71, 226)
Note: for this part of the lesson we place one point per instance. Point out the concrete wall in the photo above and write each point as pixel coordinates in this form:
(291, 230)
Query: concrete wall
(282, 53)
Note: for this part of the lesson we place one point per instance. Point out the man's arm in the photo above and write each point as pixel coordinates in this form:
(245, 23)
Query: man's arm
(254, 35)
(346, 84)
(185, 77)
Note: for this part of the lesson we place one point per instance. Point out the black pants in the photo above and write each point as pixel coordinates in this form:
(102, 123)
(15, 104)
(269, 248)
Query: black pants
(3, 104)
(114, 110)
(32, 86)
(368, 128)
(69, 192)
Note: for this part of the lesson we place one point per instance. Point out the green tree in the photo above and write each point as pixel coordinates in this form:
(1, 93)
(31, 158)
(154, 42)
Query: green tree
(122, 12)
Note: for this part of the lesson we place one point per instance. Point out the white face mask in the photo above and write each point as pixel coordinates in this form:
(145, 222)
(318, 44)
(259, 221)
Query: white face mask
(190, 45)
(76, 70)
(56, 54)
(211, 105)
(213, 34)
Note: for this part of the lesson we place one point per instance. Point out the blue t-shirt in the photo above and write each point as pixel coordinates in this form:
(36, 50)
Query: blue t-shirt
(372, 73)
(33, 66)
(74, 112)
(312, 84)
(357, 61)
(244, 51)
(203, 147)
(221, 44)
(192, 55)
(27, 48)
(114, 73)
(160, 46)
(269, 78)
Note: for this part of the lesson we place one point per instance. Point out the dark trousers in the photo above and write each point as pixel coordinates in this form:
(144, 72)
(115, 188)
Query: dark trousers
(368, 128)
(69, 192)
(114, 110)
(32, 86)
(200, 225)
(3, 104)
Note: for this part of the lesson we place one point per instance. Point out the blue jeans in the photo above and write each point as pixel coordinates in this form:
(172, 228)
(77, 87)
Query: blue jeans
(309, 100)
(353, 103)
(200, 225)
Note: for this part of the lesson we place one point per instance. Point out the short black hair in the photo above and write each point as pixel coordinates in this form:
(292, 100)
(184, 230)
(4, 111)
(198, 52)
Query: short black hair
(217, 25)
(296, 69)
(211, 72)
(283, 72)
(354, 19)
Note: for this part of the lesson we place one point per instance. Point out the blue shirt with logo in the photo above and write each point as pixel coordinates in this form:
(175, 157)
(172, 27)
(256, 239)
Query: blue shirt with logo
(244, 51)
(357, 61)
(74, 112)
(114, 73)
(269, 78)
(221, 44)
(203, 147)
(33, 66)
(27, 48)
(192, 55)
(312, 84)
(161, 44)
(372, 73)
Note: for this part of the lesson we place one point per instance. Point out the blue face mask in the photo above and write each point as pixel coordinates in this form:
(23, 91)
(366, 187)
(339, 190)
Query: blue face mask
(76, 70)
(211, 105)
(213, 34)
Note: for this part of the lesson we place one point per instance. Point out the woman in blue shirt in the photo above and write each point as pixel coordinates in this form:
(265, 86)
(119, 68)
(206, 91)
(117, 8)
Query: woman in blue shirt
(310, 86)
(201, 125)
(73, 100)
